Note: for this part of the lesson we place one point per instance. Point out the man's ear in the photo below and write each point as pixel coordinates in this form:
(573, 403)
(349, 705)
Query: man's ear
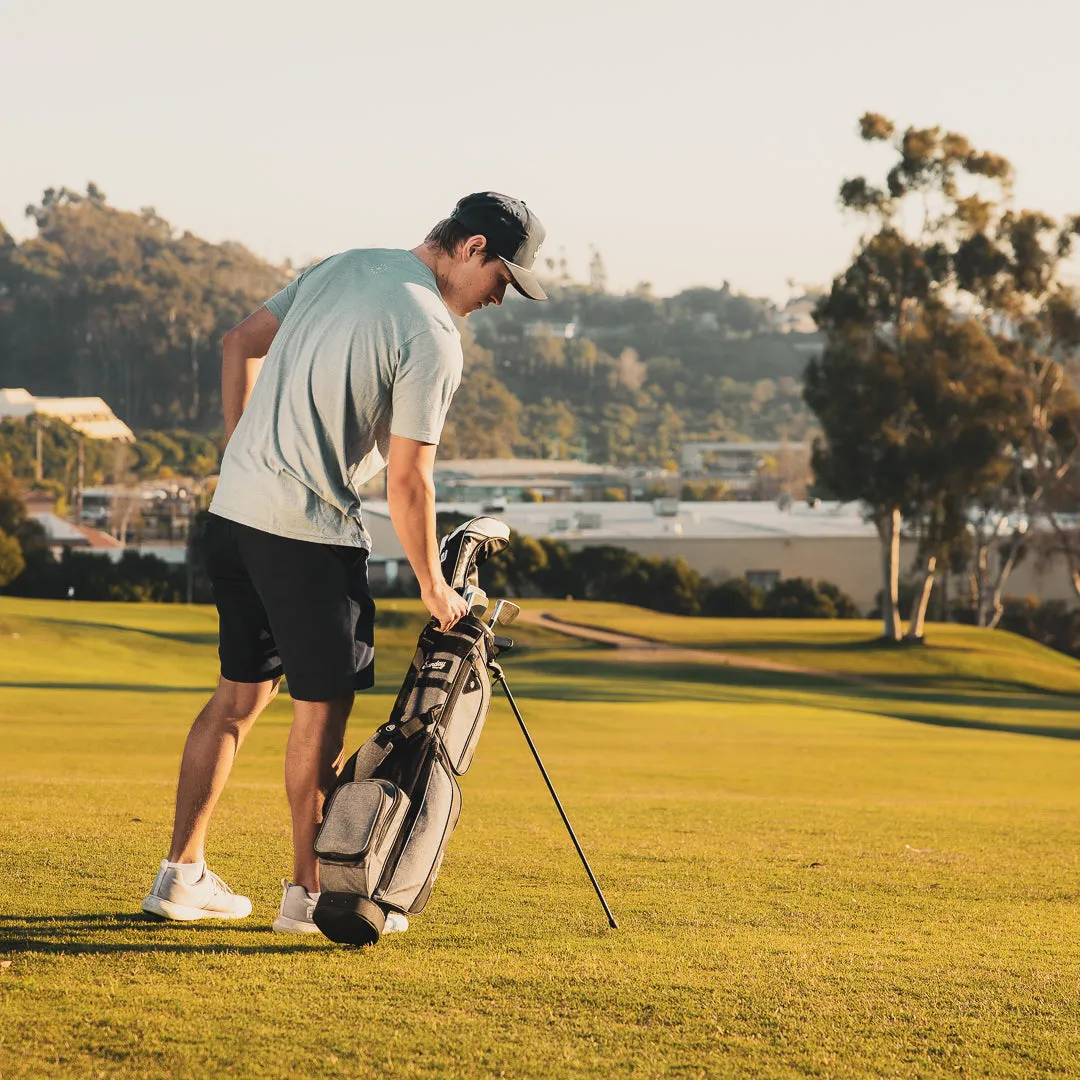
(475, 245)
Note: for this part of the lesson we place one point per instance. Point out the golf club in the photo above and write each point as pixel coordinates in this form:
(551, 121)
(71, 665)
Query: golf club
(504, 614)
(476, 598)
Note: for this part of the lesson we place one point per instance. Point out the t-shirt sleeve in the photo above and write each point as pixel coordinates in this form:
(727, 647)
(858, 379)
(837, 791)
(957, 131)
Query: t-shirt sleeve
(279, 303)
(428, 373)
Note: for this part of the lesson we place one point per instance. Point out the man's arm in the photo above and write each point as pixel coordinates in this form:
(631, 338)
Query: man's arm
(410, 492)
(243, 350)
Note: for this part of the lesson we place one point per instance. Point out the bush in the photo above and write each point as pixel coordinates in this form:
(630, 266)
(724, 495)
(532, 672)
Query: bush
(97, 577)
(846, 608)
(735, 598)
(12, 562)
(705, 491)
(800, 598)
(1053, 624)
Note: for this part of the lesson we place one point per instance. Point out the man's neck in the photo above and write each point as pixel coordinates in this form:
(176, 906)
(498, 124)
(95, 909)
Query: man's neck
(435, 261)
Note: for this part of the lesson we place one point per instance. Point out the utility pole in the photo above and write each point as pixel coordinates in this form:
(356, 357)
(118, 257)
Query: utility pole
(39, 471)
(79, 481)
(194, 373)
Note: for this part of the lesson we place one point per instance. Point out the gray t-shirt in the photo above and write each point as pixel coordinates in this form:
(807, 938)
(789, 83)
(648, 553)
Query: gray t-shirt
(366, 349)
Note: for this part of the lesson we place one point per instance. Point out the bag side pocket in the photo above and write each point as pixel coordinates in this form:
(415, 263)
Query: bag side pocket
(357, 834)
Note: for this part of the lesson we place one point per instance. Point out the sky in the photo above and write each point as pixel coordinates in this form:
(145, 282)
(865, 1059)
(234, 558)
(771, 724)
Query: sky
(689, 141)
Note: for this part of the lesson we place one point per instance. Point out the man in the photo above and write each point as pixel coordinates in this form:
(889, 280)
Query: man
(362, 359)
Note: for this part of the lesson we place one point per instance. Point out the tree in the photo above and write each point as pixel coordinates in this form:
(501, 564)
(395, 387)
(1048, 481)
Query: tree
(113, 303)
(12, 562)
(912, 395)
(1035, 319)
(15, 522)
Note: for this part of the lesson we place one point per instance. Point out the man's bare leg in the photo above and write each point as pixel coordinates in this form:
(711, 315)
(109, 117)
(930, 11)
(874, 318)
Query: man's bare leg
(312, 761)
(211, 748)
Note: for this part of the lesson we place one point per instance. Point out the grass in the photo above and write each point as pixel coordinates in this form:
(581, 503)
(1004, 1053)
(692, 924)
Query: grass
(962, 656)
(813, 877)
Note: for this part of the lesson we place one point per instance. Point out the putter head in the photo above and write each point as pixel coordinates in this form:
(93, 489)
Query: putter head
(505, 613)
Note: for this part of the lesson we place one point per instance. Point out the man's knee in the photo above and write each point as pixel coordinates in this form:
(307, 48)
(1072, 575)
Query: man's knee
(238, 705)
(321, 725)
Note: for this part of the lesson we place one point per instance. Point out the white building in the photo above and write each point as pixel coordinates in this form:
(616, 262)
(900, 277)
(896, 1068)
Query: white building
(764, 542)
(88, 415)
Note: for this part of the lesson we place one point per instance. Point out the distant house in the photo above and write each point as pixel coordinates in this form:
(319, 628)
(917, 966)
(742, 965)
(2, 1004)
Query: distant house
(492, 479)
(88, 415)
(61, 534)
(735, 463)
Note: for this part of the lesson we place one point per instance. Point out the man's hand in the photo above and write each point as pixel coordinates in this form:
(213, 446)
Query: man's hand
(446, 605)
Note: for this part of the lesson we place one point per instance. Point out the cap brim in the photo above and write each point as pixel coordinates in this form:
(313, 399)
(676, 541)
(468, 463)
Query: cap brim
(525, 281)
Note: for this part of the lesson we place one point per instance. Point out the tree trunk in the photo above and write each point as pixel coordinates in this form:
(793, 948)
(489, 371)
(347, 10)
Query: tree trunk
(1068, 549)
(997, 607)
(981, 582)
(918, 612)
(888, 524)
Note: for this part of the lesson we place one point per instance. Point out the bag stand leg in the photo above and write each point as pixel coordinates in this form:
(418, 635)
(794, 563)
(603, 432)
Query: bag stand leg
(500, 678)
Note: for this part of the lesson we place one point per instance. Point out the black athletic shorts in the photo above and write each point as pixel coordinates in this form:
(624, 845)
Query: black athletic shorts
(293, 607)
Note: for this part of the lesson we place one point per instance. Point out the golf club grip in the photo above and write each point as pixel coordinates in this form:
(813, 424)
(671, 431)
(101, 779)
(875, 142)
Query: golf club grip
(501, 679)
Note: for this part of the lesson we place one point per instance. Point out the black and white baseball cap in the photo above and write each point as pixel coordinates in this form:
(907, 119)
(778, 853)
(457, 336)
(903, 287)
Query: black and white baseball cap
(513, 232)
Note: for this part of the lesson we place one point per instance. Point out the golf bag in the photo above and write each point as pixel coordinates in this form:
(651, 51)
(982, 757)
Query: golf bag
(390, 817)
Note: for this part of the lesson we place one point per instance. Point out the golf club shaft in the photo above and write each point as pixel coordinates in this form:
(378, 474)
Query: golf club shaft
(501, 679)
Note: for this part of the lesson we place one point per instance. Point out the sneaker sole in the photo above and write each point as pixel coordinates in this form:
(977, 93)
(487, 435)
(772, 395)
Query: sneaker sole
(283, 925)
(157, 908)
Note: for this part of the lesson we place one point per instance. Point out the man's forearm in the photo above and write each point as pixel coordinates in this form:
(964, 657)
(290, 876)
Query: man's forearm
(238, 375)
(411, 500)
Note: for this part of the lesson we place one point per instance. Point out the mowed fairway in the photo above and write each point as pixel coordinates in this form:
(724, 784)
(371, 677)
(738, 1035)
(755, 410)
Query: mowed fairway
(814, 875)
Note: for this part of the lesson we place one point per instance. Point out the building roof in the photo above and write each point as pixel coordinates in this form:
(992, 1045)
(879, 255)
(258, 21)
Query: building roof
(62, 533)
(90, 416)
(613, 522)
(515, 468)
(59, 531)
(98, 539)
(723, 446)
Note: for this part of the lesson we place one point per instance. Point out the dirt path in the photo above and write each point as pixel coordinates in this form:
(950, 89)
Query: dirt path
(649, 651)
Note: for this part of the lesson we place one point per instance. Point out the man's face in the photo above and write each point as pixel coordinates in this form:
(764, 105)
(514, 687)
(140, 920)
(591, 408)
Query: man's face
(476, 283)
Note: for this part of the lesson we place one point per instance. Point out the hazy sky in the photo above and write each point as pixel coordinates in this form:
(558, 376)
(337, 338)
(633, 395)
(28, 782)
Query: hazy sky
(689, 141)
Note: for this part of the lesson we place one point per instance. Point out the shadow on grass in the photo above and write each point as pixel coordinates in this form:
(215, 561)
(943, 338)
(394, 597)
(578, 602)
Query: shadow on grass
(613, 681)
(990, 693)
(200, 638)
(1043, 731)
(88, 934)
(134, 688)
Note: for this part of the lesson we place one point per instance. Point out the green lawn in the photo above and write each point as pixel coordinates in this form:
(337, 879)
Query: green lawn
(963, 656)
(813, 877)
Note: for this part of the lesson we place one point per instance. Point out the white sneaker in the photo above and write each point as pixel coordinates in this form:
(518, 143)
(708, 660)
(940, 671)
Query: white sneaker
(396, 923)
(297, 904)
(209, 898)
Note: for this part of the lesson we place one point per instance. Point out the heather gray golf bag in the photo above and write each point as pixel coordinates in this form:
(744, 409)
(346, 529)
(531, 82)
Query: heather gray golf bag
(389, 819)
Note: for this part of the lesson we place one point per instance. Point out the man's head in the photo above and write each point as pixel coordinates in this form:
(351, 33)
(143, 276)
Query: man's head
(489, 241)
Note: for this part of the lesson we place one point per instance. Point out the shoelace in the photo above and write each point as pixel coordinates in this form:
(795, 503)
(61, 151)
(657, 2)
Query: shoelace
(216, 883)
